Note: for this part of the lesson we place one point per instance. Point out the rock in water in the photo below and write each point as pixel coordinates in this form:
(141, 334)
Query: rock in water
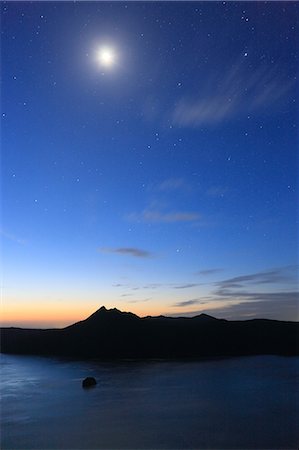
(88, 382)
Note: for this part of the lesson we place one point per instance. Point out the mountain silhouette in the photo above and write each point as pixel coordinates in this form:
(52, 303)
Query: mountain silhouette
(110, 333)
(103, 317)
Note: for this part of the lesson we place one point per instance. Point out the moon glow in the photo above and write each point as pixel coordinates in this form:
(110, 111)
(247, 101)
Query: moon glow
(106, 57)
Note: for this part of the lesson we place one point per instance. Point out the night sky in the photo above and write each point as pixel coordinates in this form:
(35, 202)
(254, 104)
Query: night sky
(149, 159)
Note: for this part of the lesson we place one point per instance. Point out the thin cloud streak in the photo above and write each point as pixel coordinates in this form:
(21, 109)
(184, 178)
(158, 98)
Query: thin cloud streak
(140, 300)
(242, 299)
(258, 296)
(186, 303)
(240, 92)
(241, 287)
(127, 251)
(258, 309)
(172, 184)
(13, 238)
(156, 216)
(217, 191)
(278, 305)
(268, 277)
(251, 310)
(186, 286)
(209, 271)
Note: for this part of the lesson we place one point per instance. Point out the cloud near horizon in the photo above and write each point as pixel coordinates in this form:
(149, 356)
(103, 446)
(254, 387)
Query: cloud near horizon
(252, 309)
(239, 297)
(279, 275)
(142, 300)
(127, 251)
(182, 304)
(241, 287)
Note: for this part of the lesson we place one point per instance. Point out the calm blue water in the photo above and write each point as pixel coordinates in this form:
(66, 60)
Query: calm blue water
(233, 403)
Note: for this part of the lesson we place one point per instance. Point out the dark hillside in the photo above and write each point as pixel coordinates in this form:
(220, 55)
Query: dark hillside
(115, 334)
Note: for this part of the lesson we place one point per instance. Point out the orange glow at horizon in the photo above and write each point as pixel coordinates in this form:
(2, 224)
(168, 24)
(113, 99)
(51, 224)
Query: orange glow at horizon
(42, 313)
(33, 314)
(56, 315)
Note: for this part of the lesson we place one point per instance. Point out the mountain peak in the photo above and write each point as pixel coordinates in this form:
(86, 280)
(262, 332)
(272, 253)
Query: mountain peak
(109, 313)
(204, 316)
(103, 317)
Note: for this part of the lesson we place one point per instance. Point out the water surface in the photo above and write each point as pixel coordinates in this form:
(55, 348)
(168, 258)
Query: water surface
(230, 403)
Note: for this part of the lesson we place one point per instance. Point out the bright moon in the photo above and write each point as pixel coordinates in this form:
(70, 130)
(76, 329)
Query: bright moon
(106, 56)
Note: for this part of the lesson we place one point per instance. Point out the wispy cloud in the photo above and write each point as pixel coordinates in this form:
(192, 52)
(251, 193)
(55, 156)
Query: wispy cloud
(217, 191)
(271, 294)
(260, 296)
(208, 271)
(133, 287)
(127, 251)
(267, 277)
(152, 286)
(186, 303)
(253, 302)
(13, 238)
(157, 216)
(240, 91)
(140, 300)
(205, 111)
(172, 184)
(283, 306)
(186, 286)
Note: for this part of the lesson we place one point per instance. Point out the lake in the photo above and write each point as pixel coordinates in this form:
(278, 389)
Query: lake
(249, 402)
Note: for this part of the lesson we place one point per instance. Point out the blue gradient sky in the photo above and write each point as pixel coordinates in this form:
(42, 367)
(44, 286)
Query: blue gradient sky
(164, 184)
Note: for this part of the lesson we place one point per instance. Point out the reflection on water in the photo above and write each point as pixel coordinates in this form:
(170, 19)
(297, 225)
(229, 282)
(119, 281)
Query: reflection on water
(233, 403)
